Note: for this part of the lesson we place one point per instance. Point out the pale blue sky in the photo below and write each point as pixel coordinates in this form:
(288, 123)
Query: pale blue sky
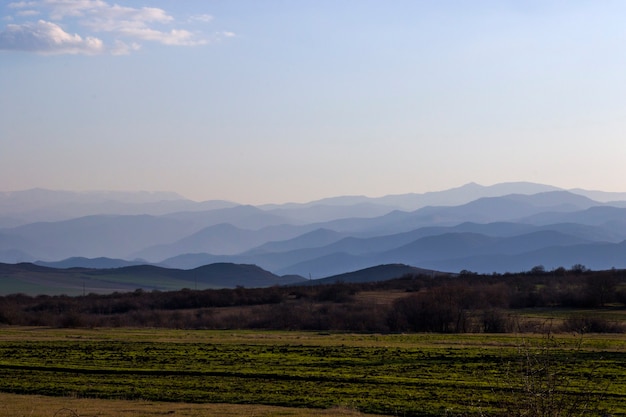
(274, 101)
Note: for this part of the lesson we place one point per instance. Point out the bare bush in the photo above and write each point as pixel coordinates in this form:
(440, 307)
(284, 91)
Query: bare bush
(540, 383)
(585, 324)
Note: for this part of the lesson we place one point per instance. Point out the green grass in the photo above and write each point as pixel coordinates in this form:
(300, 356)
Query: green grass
(409, 375)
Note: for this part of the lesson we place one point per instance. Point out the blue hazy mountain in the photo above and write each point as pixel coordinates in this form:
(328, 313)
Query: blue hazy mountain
(90, 263)
(221, 239)
(596, 256)
(497, 228)
(313, 239)
(440, 241)
(35, 205)
(598, 215)
(94, 236)
(434, 250)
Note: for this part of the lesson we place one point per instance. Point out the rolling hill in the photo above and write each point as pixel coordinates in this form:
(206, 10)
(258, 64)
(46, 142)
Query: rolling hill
(34, 279)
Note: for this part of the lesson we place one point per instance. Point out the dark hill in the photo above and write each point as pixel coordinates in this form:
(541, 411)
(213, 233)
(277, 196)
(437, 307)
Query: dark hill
(374, 274)
(34, 279)
(229, 275)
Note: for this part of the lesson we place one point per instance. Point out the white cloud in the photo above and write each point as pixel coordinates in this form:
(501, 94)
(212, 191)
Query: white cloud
(59, 9)
(118, 19)
(47, 38)
(173, 37)
(201, 18)
(23, 13)
(121, 48)
(127, 22)
(21, 4)
(114, 18)
(126, 26)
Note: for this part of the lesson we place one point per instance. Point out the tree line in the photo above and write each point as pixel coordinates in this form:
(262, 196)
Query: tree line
(467, 302)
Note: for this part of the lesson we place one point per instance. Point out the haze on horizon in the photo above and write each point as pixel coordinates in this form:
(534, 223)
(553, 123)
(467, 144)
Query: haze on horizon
(269, 102)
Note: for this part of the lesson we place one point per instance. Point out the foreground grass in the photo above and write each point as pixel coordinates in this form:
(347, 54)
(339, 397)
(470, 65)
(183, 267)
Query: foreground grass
(407, 375)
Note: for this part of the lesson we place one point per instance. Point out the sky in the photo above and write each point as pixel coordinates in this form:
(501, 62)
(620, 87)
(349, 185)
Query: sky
(275, 101)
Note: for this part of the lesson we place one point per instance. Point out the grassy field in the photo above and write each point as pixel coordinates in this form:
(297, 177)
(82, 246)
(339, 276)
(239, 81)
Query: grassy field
(398, 374)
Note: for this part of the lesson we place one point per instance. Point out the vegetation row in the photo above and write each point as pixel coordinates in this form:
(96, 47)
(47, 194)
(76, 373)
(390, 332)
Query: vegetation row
(465, 303)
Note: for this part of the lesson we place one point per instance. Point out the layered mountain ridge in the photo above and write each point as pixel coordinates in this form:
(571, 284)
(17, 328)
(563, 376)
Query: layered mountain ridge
(507, 227)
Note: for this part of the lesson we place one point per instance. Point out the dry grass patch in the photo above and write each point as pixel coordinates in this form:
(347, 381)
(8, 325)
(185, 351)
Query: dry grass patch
(381, 298)
(12, 405)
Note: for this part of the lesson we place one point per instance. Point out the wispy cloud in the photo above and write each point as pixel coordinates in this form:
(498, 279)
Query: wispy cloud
(201, 18)
(127, 28)
(47, 38)
(27, 13)
(21, 4)
(173, 37)
(123, 48)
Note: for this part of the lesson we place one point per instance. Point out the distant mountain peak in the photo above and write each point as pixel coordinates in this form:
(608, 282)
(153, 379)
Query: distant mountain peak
(471, 185)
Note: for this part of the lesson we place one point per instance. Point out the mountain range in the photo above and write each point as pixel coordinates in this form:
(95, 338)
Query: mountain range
(507, 227)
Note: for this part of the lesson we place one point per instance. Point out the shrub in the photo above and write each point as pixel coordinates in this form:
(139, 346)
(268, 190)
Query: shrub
(537, 385)
(583, 324)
